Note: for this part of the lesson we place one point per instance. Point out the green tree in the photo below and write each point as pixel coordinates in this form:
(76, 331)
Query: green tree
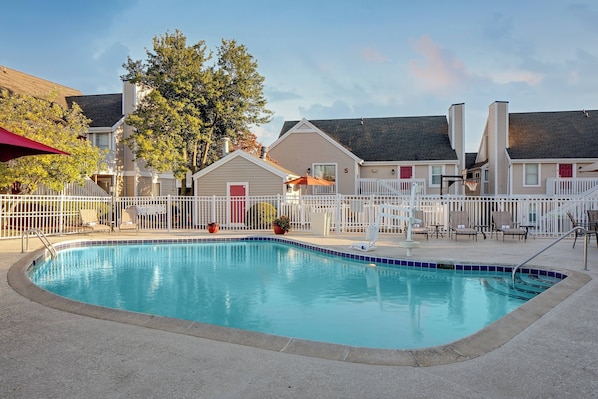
(191, 104)
(43, 120)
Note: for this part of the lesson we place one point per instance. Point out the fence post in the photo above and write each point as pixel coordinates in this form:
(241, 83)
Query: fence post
(169, 212)
(213, 210)
(61, 215)
(338, 213)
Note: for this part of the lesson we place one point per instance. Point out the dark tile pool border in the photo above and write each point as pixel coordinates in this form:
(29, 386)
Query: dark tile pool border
(385, 261)
(491, 337)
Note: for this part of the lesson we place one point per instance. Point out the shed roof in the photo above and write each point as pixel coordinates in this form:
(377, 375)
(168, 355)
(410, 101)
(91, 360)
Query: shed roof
(389, 139)
(545, 135)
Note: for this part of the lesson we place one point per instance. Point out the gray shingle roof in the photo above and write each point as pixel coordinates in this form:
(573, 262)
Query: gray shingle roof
(470, 158)
(545, 135)
(104, 110)
(389, 139)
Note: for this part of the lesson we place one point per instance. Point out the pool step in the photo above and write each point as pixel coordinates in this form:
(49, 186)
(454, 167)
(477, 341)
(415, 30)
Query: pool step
(526, 286)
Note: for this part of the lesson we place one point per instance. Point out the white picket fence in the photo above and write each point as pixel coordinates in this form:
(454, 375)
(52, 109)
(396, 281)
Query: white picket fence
(58, 215)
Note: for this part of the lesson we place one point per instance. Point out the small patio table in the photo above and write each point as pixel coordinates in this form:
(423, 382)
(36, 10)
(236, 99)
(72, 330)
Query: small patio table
(437, 228)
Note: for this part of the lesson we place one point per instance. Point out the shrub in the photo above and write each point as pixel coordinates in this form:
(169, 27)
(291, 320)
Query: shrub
(260, 216)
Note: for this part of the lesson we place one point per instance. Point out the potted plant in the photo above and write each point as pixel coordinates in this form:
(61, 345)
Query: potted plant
(281, 224)
(213, 227)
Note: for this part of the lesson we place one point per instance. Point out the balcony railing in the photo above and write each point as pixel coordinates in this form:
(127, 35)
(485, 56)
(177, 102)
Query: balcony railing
(369, 186)
(571, 186)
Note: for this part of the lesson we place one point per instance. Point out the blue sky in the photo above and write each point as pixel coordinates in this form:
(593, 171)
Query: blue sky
(334, 59)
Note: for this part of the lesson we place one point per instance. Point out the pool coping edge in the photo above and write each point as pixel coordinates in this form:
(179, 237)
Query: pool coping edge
(489, 338)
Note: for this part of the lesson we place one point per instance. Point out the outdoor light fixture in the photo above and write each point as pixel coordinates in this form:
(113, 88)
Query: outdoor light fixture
(308, 171)
(392, 171)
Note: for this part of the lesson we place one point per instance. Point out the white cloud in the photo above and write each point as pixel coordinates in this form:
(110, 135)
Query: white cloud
(439, 70)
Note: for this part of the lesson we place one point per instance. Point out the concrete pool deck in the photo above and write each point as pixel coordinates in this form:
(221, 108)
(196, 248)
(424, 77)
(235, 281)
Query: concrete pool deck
(48, 352)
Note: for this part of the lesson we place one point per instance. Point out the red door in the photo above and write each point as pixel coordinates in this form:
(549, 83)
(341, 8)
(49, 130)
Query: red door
(406, 172)
(238, 199)
(565, 172)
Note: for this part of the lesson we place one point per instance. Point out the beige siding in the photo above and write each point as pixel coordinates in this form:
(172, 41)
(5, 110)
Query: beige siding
(379, 172)
(261, 181)
(547, 170)
(299, 151)
(168, 187)
(129, 186)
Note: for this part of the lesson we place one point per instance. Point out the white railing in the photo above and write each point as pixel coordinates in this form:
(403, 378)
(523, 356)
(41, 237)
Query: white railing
(57, 215)
(369, 186)
(571, 186)
(89, 188)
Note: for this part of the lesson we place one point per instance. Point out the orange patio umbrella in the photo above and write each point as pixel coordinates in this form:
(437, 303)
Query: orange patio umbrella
(310, 181)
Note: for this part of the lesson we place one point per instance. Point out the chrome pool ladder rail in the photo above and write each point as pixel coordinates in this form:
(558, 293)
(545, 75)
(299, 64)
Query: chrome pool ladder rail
(585, 250)
(42, 237)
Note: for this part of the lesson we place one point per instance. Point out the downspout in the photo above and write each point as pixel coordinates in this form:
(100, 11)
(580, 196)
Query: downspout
(509, 175)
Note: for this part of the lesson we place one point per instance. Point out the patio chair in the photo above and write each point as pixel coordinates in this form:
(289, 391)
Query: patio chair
(128, 219)
(503, 223)
(593, 223)
(459, 224)
(575, 223)
(89, 220)
(419, 227)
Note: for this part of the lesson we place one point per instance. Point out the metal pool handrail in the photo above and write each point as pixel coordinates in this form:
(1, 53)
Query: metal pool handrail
(42, 237)
(585, 250)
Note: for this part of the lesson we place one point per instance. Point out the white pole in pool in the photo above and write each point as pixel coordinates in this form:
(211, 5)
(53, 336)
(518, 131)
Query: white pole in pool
(409, 244)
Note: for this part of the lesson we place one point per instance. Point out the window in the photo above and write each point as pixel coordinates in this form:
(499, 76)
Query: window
(486, 175)
(435, 172)
(326, 172)
(531, 174)
(100, 140)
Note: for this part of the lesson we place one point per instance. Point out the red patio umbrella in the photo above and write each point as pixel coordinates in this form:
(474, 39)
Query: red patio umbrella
(15, 146)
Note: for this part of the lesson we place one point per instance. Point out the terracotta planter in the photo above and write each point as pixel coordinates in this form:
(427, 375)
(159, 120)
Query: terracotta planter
(213, 227)
(278, 229)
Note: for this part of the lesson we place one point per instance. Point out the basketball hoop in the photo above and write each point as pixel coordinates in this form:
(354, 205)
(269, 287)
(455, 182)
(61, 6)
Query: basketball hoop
(471, 184)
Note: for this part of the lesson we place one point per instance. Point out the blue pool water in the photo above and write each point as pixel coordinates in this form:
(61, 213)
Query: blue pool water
(284, 290)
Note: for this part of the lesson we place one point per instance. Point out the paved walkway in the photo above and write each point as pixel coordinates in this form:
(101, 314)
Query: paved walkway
(47, 352)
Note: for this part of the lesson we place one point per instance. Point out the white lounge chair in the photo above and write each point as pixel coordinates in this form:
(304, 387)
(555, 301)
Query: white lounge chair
(128, 219)
(419, 227)
(89, 220)
(503, 223)
(460, 226)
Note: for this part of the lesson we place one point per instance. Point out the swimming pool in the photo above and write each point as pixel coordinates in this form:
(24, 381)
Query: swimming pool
(289, 290)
